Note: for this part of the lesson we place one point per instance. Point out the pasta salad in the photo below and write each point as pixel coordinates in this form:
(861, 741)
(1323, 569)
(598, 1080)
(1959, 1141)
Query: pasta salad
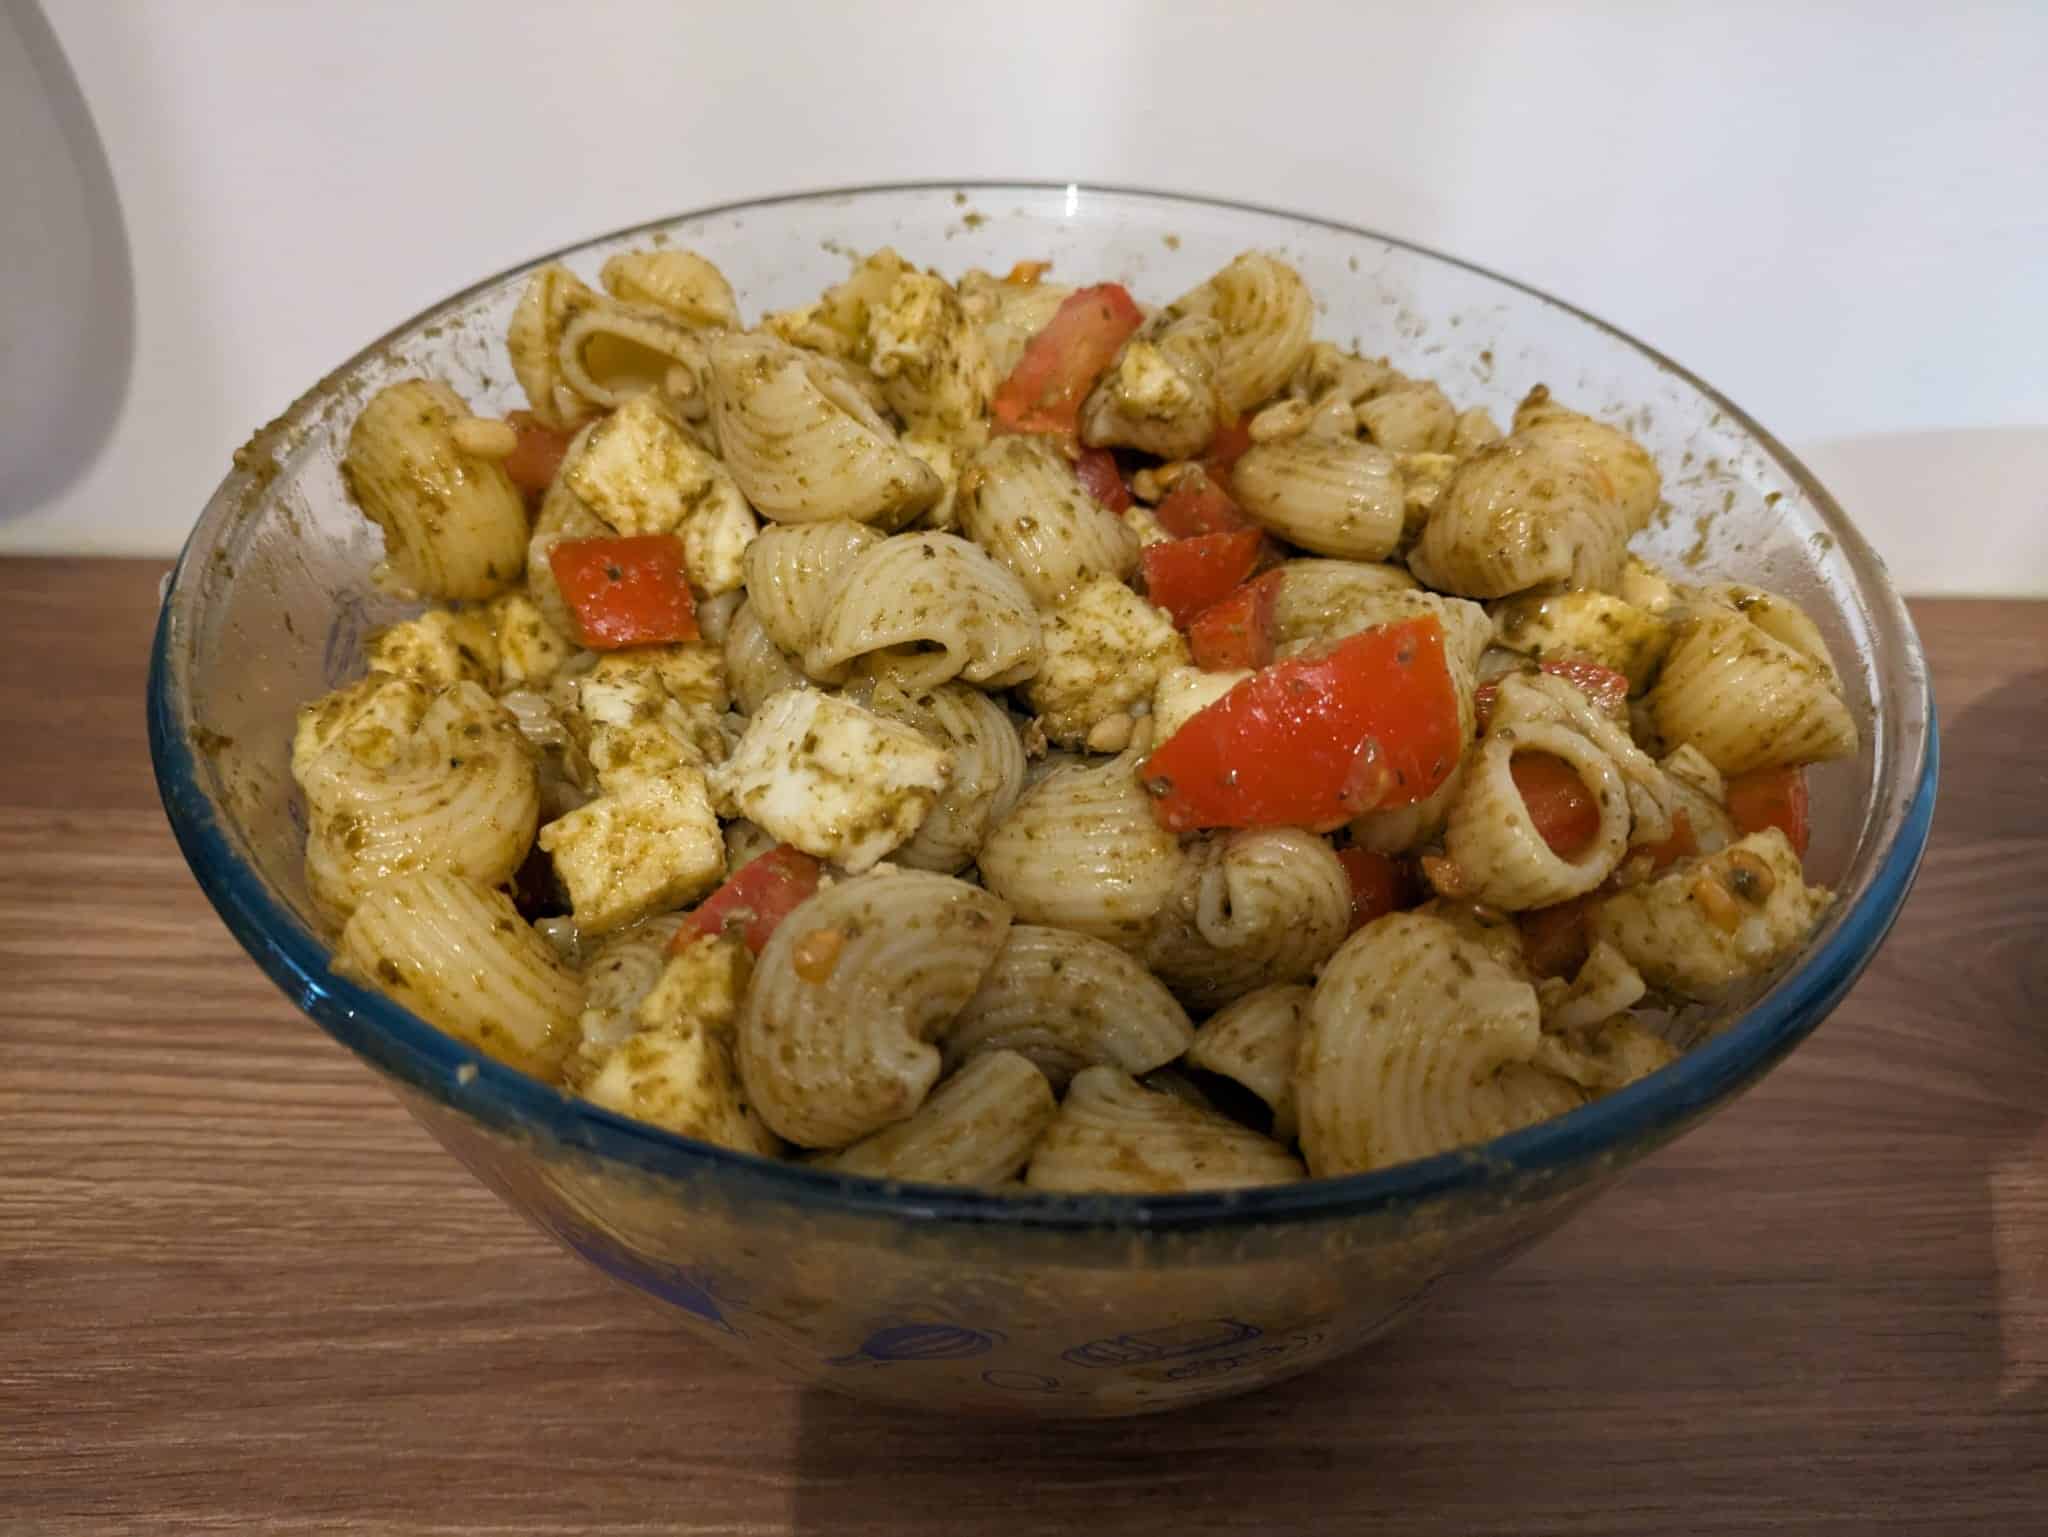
(995, 732)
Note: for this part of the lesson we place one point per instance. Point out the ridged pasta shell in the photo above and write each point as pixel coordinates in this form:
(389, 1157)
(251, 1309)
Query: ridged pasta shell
(1082, 851)
(552, 298)
(939, 606)
(1264, 313)
(1067, 1001)
(678, 282)
(806, 446)
(988, 770)
(1336, 496)
(835, 1034)
(1747, 700)
(1523, 513)
(1322, 599)
(789, 575)
(1251, 908)
(1410, 419)
(611, 351)
(1020, 501)
(977, 1128)
(458, 954)
(454, 526)
(1625, 463)
(1254, 1042)
(417, 781)
(1501, 857)
(755, 668)
(1418, 1042)
(1114, 1135)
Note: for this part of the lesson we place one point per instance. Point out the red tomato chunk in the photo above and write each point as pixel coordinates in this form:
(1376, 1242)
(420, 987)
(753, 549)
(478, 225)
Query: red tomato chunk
(626, 592)
(1377, 886)
(1772, 798)
(764, 892)
(536, 458)
(1315, 740)
(1237, 631)
(1197, 505)
(1188, 575)
(1102, 479)
(1061, 363)
(1563, 810)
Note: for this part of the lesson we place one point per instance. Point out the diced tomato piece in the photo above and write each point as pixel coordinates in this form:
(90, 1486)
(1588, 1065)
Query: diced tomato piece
(1772, 798)
(1555, 940)
(763, 893)
(1186, 576)
(1378, 886)
(1061, 363)
(1603, 685)
(1197, 505)
(537, 457)
(1225, 449)
(1563, 810)
(626, 592)
(1682, 844)
(1238, 630)
(1102, 479)
(1315, 740)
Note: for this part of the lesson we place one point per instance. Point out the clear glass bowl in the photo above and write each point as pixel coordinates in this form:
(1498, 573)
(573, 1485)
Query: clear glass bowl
(945, 1297)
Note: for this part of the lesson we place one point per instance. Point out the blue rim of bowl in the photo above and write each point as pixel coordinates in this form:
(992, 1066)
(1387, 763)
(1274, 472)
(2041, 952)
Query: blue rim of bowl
(1625, 1123)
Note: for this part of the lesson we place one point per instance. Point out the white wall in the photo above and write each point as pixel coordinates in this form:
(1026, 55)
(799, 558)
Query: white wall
(1838, 214)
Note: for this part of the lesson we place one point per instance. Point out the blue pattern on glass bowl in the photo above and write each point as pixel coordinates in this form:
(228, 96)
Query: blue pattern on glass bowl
(820, 1266)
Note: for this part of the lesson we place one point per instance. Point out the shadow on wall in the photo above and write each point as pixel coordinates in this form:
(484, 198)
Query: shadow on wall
(1970, 504)
(67, 320)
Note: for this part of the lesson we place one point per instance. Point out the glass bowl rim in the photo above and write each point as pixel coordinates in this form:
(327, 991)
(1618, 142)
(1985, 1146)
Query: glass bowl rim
(465, 1079)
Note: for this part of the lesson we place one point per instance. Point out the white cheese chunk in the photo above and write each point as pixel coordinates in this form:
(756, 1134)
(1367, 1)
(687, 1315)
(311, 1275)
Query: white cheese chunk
(1105, 648)
(835, 780)
(651, 842)
(1183, 693)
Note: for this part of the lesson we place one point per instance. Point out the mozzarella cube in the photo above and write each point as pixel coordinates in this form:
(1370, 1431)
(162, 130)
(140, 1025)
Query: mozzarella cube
(650, 843)
(530, 649)
(835, 780)
(687, 1083)
(440, 647)
(716, 534)
(1105, 649)
(1183, 693)
(639, 471)
(700, 988)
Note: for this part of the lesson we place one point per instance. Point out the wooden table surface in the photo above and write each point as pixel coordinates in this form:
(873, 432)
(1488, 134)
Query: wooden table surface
(241, 1291)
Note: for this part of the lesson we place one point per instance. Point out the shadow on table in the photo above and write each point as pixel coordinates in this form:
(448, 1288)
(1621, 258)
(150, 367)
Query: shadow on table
(1729, 1335)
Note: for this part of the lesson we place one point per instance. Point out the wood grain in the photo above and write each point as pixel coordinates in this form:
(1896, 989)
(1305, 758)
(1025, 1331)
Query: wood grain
(240, 1291)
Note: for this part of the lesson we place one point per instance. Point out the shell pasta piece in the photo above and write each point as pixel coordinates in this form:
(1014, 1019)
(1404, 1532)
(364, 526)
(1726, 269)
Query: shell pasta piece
(1114, 1134)
(804, 444)
(1082, 851)
(458, 954)
(399, 779)
(1264, 315)
(1251, 908)
(789, 572)
(1494, 839)
(1068, 1002)
(1335, 496)
(977, 1128)
(987, 775)
(848, 995)
(1747, 700)
(1254, 1042)
(1021, 503)
(933, 607)
(1419, 1041)
(454, 525)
